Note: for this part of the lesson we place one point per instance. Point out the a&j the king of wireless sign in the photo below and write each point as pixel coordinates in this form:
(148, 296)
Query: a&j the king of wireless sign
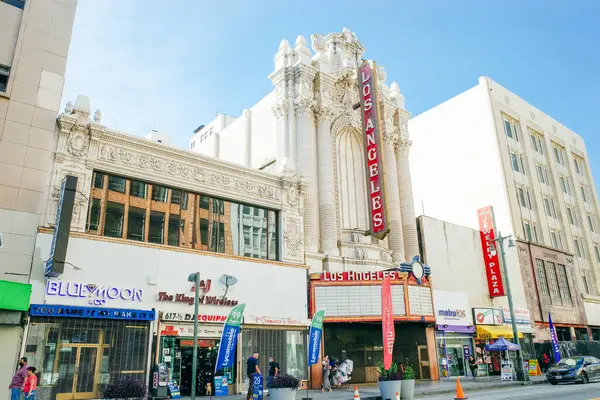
(367, 84)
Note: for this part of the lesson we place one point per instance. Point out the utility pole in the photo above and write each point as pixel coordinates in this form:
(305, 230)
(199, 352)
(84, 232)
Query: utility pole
(196, 279)
(521, 375)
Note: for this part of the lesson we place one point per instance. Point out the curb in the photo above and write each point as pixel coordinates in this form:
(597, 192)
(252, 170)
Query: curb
(475, 389)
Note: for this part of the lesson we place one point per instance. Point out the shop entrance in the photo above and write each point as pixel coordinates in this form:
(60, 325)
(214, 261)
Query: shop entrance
(207, 358)
(77, 364)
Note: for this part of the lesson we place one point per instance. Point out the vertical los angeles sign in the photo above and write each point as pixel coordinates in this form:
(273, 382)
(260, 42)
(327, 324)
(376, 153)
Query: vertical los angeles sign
(367, 84)
(314, 338)
(490, 258)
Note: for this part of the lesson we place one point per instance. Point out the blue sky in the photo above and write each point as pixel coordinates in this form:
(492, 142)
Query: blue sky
(173, 65)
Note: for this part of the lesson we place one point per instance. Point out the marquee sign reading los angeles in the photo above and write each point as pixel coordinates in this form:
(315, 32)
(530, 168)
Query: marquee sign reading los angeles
(368, 99)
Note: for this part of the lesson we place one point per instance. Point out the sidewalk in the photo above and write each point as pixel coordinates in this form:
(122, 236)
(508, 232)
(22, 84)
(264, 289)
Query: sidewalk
(422, 388)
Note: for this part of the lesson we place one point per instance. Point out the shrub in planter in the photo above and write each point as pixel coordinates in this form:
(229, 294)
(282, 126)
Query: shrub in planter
(126, 388)
(284, 387)
(390, 381)
(408, 386)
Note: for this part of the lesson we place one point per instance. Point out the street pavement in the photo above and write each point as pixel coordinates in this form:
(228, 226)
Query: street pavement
(534, 392)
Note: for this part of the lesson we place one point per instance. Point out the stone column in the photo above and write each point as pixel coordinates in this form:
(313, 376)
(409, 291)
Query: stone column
(306, 155)
(280, 110)
(327, 209)
(411, 240)
(392, 198)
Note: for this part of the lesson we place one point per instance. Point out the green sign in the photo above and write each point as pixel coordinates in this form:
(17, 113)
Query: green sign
(14, 296)
(235, 316)
(317, 321)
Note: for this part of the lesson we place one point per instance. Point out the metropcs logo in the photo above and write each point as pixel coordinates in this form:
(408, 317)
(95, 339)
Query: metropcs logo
(453, 314)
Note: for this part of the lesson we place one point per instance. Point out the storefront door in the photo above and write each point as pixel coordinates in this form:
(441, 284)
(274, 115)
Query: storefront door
(77, 369)
(424, 366)
(455, 356)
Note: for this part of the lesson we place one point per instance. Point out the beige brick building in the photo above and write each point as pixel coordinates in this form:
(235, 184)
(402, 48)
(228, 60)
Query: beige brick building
(34, 45)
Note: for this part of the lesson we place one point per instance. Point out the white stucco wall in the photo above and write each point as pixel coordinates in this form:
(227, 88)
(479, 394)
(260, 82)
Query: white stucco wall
(593, 313)
(455, 164)
(267, 289)
(456, 259)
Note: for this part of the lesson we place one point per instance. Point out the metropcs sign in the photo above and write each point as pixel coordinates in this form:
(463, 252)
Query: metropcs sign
(370, 120)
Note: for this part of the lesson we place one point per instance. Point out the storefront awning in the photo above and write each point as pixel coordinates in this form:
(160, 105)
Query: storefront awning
(495, 332)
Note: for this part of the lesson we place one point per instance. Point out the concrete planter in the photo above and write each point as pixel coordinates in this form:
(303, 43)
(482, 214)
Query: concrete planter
(283, 394)
(408, 389)
(388, 389)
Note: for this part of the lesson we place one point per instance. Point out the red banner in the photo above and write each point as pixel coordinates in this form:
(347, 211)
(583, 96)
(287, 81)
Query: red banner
(490, 258)
(368, 100)
(387, 321)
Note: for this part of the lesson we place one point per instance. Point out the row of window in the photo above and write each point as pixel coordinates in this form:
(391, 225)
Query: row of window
(553, 282)
(513, 131)
(135, 210)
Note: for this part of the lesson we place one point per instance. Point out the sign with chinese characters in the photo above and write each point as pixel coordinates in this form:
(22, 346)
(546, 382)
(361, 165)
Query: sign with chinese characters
(522, 316)
(46, 310)
(253, 319)
(203, 298)
(185, 317)
(96, 295)
(187, 330)
(487, 316)
(490, 257)
(367, 83)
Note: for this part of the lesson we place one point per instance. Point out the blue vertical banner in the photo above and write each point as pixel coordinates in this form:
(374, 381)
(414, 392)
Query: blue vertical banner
(314, 338)
(231, 329)
(554, 340)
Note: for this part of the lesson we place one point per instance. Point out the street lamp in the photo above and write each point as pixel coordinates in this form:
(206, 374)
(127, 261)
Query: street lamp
(521, 376)
(196, 279)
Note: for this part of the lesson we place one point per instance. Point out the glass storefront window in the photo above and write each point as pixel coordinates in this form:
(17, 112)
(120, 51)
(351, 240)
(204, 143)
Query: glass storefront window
(453, 350)
(215, 225)
(77, 358)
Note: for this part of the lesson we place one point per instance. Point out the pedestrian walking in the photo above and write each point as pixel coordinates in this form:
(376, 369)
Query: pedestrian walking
(326, 371)
(545, 362)
(251, 369)
(273, 371)
(17, 384)
(473, 366)
(30, 384)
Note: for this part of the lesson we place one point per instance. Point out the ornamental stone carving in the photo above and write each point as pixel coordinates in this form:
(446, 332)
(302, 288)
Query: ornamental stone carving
(292, 239)
(118, 155)
(293, 194)
(78, 143)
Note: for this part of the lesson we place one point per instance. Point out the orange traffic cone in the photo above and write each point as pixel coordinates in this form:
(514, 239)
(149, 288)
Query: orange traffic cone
(460, 395)
(397, 396)
(356, 395)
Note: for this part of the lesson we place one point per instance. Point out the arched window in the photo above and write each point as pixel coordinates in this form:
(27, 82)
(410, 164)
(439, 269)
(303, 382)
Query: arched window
(352, 190)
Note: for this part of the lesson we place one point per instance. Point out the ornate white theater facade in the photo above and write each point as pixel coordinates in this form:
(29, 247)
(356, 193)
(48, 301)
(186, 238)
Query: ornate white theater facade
(309, 130)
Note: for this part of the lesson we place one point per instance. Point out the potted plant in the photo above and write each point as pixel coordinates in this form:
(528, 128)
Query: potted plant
(408, 384)
(284, 387)
(126, 388)
(389, 382)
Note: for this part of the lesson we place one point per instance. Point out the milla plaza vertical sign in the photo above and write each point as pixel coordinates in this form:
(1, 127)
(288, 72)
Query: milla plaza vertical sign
(367, 82)
(55, 265)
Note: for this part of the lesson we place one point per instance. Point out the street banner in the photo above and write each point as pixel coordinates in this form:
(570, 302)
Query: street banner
(231, 329)
(314, 338)
(554, 340)
(387, 321)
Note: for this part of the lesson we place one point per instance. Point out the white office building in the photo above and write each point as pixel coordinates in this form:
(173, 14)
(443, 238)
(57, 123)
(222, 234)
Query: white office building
(489, 147)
